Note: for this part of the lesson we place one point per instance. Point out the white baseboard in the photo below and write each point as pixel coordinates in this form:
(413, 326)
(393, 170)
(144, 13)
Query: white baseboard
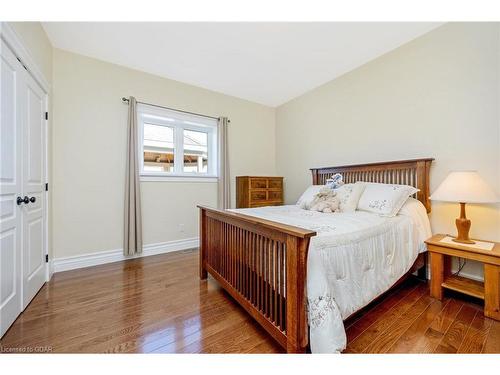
(468, 275)
(109, 256)
(462, 273)
(50, 270)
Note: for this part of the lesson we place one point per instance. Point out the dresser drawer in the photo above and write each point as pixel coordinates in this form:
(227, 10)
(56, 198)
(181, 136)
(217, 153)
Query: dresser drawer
(258, 183)
(258, 195)
(275, 183)
(275, 195)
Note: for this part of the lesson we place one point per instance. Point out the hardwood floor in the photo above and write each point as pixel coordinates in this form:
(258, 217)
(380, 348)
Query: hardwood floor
(408, 320)
(157, 304)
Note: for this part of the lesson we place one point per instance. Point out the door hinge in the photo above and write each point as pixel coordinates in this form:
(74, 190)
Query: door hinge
(46, 115)
(46, 258)
(47, 186)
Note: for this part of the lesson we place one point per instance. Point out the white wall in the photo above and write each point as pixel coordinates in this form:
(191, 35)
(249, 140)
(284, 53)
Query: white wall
(89, 148)
(437, 96)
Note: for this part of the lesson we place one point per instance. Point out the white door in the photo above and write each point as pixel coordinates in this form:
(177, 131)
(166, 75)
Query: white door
(22, 182)
(33, 188)
(10, 188)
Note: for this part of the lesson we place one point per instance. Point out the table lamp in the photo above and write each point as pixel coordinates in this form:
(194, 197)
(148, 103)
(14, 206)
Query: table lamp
(464, 187)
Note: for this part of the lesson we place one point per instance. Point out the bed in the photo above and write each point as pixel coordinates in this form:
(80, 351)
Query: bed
(298, 277)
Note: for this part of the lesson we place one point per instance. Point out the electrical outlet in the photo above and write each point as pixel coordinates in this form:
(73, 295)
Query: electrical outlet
(181, 228)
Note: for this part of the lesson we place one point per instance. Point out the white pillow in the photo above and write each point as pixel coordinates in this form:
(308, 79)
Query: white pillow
(349, 195)
(413, 207)
(384, 199)
(417, 212)
(308, 195)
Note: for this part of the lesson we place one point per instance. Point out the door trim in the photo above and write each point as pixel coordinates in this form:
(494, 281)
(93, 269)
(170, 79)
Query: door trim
(14, 42)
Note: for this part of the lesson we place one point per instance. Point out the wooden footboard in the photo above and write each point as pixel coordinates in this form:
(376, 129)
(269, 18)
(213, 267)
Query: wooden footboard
(263, 266)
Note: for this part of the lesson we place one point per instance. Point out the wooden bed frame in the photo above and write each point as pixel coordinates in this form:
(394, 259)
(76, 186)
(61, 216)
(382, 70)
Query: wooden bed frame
(263, 264)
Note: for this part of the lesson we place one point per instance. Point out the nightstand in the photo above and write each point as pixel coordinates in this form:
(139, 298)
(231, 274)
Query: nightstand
(441, 250)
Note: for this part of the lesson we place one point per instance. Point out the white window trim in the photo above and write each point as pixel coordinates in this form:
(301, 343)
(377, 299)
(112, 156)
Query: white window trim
(170, 178)
(180, 121)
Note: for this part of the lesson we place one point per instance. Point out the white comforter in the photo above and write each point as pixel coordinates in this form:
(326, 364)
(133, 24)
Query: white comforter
(354, 258)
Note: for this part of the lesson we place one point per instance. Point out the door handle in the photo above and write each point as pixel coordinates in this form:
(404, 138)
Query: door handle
(24, 200)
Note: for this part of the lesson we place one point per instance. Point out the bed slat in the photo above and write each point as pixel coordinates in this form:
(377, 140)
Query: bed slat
(253, 262)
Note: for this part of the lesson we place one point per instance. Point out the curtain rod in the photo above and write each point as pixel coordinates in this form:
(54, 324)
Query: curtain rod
(125, 100)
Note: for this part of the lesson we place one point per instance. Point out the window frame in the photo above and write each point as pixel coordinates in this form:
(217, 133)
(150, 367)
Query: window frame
(179, 121)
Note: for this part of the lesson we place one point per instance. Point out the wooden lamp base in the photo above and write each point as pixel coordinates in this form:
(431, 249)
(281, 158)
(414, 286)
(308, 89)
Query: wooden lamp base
(463, 226)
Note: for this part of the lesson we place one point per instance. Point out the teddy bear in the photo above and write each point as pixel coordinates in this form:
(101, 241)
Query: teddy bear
(335, 181)
(325, 201)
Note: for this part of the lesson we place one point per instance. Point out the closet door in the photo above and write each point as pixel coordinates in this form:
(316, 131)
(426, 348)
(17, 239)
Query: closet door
(33, 188)
(10, 188)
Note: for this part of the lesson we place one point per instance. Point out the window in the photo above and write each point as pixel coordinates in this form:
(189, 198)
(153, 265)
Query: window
(175, 144)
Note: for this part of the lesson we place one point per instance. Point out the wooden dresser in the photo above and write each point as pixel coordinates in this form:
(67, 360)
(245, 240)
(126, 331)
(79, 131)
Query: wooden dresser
(258, 191)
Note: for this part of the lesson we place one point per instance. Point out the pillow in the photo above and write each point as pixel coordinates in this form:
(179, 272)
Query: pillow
(416, 211)
(384, 199)
(413, 207)
(349, 195)
(307, 196)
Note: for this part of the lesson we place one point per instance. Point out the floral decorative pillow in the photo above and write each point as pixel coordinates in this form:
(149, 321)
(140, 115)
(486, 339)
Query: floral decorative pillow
(349, 195)
(385, 199)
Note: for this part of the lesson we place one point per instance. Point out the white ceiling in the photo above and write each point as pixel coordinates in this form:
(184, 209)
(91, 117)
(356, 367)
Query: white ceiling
(267, 63)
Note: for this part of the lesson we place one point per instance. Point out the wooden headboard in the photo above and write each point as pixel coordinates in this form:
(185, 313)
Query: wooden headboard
(408, 172)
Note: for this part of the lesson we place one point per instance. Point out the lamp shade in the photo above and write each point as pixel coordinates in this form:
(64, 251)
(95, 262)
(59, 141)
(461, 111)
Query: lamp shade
(465, 187)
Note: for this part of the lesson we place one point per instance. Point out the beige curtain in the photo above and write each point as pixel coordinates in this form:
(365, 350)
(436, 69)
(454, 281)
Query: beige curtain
(132, 241)
(224, 186)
